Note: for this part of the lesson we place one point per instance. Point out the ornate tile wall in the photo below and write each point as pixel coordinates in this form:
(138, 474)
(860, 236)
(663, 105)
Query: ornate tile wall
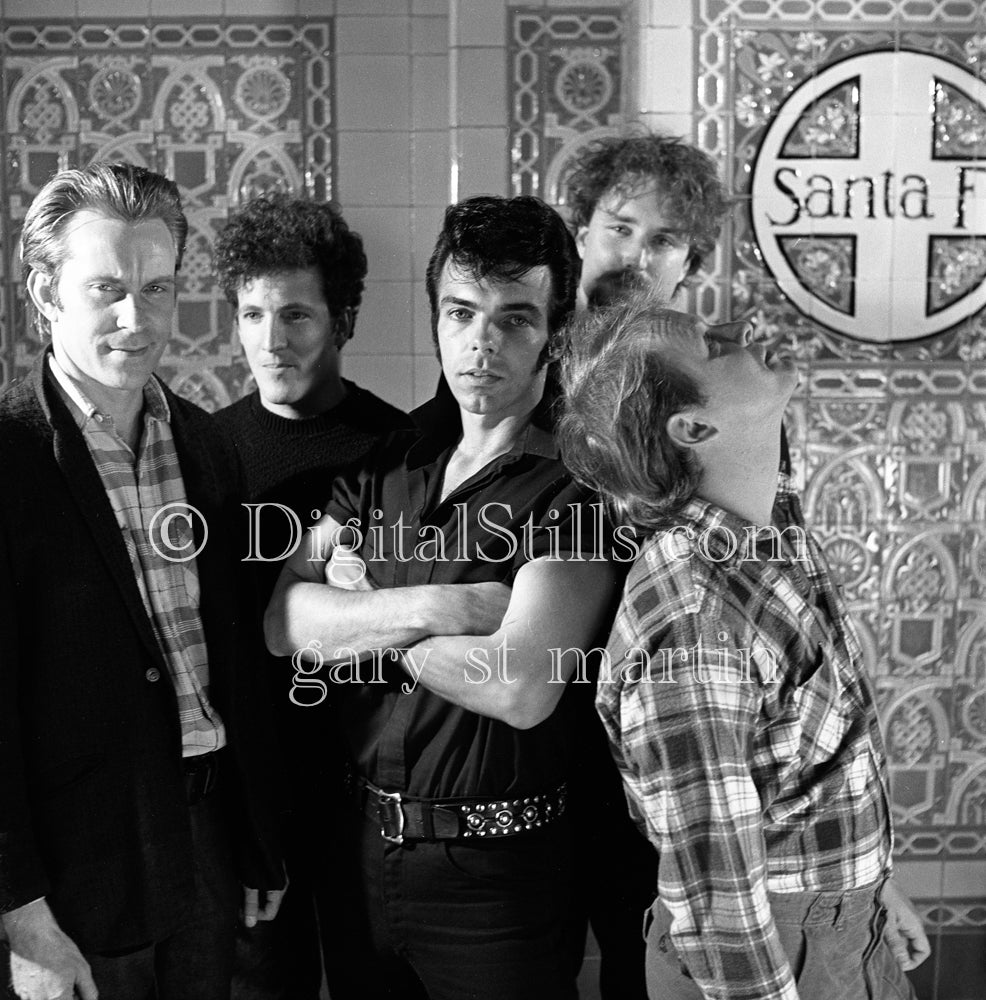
(888, 437)
(229, 108)
(567, 80)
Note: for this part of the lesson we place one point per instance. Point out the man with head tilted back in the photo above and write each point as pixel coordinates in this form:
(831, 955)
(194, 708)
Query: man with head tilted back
(733, 691)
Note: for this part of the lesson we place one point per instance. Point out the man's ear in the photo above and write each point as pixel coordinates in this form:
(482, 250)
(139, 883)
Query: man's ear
(342, 327)
(580, 235)
(687, 429)
(41, 288)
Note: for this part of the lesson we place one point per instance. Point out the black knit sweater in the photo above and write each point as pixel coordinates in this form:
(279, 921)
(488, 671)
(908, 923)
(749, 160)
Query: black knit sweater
(293, 462)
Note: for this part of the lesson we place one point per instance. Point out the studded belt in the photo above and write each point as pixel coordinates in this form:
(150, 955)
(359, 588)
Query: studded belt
(403, 817)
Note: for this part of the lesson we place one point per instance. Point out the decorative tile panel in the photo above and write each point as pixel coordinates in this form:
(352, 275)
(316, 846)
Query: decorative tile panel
(888, 439)
(566, 88)
(228, 109)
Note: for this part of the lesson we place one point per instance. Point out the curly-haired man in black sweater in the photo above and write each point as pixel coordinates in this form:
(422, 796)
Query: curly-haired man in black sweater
(293, 271)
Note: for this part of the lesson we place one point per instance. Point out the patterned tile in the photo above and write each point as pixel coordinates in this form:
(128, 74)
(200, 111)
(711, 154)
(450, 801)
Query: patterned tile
(566, 80)
(228, 107)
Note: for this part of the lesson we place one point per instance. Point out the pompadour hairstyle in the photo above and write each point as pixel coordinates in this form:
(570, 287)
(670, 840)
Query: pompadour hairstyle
(620, 387)
(119, 190)
(691, 194)
(276, 233)
(489, 237)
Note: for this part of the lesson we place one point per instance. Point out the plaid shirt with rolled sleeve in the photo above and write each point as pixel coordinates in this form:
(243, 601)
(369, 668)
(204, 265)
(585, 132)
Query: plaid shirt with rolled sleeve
(746, 733)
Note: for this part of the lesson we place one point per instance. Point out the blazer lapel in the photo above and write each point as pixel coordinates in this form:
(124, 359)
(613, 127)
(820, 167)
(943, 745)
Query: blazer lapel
(86, 488)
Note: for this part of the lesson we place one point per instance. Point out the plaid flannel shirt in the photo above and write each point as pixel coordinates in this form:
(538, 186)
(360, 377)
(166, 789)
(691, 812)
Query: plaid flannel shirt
(747, 737)
(138, 486)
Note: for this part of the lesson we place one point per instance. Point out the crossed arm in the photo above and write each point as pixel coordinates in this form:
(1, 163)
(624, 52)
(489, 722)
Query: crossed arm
(492, 650)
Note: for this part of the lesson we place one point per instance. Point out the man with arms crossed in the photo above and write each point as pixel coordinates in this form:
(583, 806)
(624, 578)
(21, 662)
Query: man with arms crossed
(463, 753)
(734, 694)
(293, 272)
(130, 768)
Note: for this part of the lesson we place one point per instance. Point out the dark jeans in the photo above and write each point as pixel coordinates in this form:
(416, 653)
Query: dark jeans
(833, 940)
(450, 920)
(616, 875)
(280, 959)
(196, 962)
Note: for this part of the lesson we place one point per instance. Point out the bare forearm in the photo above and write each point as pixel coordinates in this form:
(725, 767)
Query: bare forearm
(301, 613)
(484, 674)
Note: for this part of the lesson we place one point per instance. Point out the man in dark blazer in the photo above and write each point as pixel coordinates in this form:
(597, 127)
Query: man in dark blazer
(131, 756)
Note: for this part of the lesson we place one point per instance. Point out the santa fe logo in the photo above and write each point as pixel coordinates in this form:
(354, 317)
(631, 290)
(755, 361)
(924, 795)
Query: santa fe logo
(869, 196)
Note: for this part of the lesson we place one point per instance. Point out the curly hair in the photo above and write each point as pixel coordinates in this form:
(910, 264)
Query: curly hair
(120, 190)
(276, 233)
(691, 193)
(620, 389)
(502, 238)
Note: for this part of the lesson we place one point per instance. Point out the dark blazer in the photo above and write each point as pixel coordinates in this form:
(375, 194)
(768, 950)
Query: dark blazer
(93, 812)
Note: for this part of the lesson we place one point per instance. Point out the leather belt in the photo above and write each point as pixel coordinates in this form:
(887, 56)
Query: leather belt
(201, 775)
(403, 817)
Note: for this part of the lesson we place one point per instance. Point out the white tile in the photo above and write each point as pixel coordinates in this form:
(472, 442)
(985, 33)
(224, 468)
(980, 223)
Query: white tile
(429, 35)
(429, 92)
(384, 323)
(372, 35)
(667, 74)
(669, 13)
(389, 377)
(374, 168)
(920, 879)
(316, 8)
(424, 345)
(111, 8)
(430, 168)
(432, 6)
(246, 8)
(483, 161)
(58, 8)
(964, 879)
(482, 23)
(386, 236)
(427, 371)
(382, 7)
(426, 223)
(482, 87)
(372, 92)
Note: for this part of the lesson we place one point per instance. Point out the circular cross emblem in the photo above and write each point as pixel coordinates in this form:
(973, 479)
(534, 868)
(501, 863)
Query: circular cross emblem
(869, 196)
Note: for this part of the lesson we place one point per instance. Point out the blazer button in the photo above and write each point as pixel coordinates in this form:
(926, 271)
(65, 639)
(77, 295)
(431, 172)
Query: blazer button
(152, 674)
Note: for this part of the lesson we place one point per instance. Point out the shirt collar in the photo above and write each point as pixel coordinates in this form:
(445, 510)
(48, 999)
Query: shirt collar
(440, 425)
(721, 529)
(85, 410)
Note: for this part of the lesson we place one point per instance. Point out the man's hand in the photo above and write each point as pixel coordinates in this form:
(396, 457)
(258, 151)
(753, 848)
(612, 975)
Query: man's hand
(466, 608)
(45, 964)
(904, 931)
(254, 911)
(346, 569)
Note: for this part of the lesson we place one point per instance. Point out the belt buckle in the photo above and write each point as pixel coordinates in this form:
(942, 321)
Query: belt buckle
(391, 816)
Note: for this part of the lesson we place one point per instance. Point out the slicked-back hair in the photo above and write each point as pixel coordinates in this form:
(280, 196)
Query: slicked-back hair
(118, 190)
(690, 192)
(501, 239)
(620, 388)
(275, 233)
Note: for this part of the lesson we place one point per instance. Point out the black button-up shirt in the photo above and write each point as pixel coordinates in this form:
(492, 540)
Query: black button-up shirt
(523, 505)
